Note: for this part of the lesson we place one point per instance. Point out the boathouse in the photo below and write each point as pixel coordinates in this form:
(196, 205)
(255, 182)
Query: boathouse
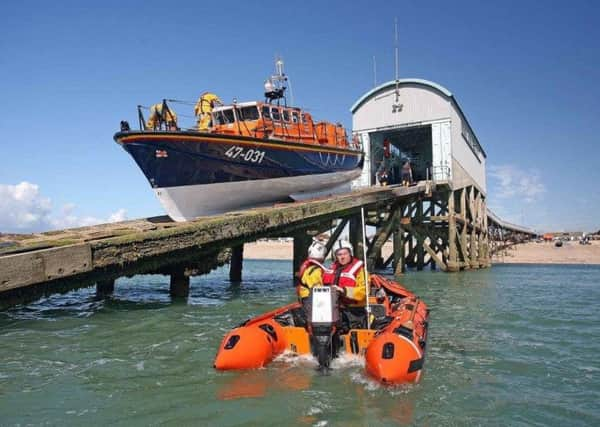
(420, 121)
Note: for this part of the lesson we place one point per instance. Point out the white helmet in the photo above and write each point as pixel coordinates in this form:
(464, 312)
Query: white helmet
(343, 244)
(317, 250)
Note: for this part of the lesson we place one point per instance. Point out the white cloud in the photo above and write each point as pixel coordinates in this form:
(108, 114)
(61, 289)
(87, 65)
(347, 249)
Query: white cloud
(23, 209)
(118, 216)
(512, 182)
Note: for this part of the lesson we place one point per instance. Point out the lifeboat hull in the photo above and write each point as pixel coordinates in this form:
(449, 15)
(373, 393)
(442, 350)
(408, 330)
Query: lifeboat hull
(197, 174)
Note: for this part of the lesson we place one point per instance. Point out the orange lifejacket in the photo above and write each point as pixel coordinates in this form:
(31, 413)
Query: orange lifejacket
(346, 278)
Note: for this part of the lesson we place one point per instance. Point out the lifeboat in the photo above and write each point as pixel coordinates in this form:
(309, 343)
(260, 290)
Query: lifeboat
(392, 344)
(240, 155)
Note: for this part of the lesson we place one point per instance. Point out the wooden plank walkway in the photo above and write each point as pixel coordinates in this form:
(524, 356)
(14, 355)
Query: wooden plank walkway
(89, 254)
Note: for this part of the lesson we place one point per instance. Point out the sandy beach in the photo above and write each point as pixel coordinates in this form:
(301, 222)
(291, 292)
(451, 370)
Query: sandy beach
(547, 253)
(528, 253)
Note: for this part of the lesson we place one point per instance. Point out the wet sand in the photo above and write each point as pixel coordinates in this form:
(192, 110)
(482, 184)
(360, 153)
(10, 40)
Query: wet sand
(528, 253)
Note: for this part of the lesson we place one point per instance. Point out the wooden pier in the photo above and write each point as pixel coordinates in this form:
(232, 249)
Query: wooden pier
(423, 221)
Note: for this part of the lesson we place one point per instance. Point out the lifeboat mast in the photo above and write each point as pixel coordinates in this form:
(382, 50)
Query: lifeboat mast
(275, 85)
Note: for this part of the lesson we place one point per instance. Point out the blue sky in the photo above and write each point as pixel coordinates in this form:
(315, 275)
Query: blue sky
(525, 73)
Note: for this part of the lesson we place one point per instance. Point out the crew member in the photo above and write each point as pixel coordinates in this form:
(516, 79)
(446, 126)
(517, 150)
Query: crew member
(311, 272)
(407, 177)
(158, 117)
(206, 103)
(347, 276)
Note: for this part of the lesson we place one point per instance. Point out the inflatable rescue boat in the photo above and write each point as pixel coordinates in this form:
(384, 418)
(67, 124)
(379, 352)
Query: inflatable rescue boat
(392, 340)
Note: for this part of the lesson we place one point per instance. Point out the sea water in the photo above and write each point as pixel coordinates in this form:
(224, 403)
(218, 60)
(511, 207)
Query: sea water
(510, 345)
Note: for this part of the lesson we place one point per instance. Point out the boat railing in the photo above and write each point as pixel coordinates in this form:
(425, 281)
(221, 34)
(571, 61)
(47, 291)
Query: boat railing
(338, 139)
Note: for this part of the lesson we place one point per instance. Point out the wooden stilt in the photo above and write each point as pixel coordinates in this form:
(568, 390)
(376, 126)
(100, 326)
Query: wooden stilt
(301, 243)
(453, 264)
(105, 287)
(236, 263)
(420, 239)
(180, 284)
(355, 231)
(399, 248)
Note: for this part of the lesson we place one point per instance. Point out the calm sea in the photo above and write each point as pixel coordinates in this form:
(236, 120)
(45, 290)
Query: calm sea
(511, 345)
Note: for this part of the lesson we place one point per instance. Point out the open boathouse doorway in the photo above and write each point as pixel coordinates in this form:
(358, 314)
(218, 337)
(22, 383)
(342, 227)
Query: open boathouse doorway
(390, 149)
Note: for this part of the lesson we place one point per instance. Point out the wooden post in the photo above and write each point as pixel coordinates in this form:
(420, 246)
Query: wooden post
(420, 239)
(486, 239)
(301, 243)
(180, 284)
(464, 230)
(474, 224)
(236, 264)
(356, 230)
(453, 264)
(105, 287)
(399, 250)
(336, 234)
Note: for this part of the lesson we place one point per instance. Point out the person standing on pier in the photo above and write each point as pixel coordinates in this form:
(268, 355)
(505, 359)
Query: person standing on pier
(347, 276)
(311, 272)
(407, 176)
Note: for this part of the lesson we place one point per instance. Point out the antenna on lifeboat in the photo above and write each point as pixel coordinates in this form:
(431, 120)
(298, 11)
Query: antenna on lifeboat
(275, 85)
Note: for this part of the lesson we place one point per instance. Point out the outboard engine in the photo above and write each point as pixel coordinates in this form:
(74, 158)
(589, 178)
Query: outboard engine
(322, 321)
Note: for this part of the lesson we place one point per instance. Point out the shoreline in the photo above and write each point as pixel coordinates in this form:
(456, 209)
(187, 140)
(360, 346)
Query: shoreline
(571, 253)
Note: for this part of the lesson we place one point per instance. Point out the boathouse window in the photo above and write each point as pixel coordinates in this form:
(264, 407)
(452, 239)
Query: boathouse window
(224, 117)
(295, 117)
(286, 115)
(266, 112)
(275, 113)
(304, 119)
(248, 113)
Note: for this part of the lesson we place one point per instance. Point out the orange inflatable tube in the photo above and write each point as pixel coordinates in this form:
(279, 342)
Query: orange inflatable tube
(252, 345)
(396, 354)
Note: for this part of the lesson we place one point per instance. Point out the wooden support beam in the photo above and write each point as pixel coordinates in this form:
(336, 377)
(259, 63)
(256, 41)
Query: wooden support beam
(356, 232)
(236, 263)
(435, 257)
(336, 234)
(180, 284)
(473, 244)
(399, 250)
(463, 232)
(383, 233)
(301, 243)
(463, 247)
(452, 255)
(420, 237)
(105, 287)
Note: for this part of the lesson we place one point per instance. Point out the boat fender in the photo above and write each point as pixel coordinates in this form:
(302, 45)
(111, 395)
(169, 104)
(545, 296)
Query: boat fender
(387, 351)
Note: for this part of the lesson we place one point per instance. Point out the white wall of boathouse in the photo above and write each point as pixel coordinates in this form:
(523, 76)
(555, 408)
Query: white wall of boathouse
(456, 154)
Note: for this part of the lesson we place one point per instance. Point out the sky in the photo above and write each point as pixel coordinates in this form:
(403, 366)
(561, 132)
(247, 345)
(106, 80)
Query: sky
(525, 73)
